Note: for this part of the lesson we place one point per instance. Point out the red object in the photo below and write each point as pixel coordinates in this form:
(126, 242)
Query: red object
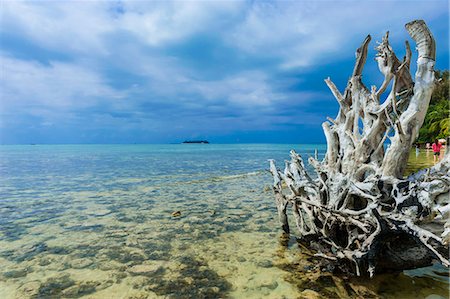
(436, 147)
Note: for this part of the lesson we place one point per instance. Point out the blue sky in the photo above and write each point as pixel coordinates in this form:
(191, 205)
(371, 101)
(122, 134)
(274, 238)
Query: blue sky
(163, 72)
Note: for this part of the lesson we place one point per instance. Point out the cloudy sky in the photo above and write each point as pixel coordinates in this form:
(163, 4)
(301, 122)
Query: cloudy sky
(163, 72)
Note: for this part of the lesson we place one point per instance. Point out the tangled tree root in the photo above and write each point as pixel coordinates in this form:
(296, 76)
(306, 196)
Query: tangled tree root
(360, 212)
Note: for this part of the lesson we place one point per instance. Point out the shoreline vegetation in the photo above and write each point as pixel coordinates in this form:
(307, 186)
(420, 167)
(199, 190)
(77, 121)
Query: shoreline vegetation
(437, 120)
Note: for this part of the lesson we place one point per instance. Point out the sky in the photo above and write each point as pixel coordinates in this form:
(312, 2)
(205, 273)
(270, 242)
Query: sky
(168, 71)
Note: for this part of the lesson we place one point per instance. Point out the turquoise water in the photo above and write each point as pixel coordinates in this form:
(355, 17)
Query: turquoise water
(161, 221)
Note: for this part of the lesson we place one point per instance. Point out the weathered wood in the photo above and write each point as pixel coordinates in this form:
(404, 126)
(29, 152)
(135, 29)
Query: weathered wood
(360, 208)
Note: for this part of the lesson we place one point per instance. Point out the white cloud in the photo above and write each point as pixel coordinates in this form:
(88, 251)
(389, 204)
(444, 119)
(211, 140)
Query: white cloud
(28, 86)
(298, 33)
(305, 33)
(83, 26)
(158, 23)
(247, 89)
(59, 25)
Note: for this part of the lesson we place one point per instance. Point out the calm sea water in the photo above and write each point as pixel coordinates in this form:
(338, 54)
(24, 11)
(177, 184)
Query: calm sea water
(96, 221)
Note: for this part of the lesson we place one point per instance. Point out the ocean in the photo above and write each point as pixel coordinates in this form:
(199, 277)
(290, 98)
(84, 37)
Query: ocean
(162, 221)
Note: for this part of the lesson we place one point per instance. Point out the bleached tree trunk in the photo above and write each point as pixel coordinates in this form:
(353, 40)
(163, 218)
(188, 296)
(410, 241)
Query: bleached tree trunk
(412, 118)
(360, 208)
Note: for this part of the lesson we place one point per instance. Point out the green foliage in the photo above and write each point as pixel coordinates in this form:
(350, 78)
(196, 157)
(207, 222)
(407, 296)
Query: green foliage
(437, 120)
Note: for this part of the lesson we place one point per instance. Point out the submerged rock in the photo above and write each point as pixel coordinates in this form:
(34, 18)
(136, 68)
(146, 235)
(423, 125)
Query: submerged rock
(176, 214)
(241, 259)
(53, 286)
(117, 277)
(16, 273)
(189, 278)
(132, 241)
(139, 282)
(265, 264)
(107, 265)
(81, 289)
(124, 255)
(30, 288)
(58, 250)
(25, 253)
(271, 285)
(104, 285)
(80, 263)
(101, 212)
(44, 261)
(145, 269)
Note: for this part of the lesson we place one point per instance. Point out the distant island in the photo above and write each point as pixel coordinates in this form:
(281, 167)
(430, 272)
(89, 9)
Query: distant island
(196, 141)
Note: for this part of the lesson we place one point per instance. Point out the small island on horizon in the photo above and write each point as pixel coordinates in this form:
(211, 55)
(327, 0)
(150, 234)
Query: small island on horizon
(196, 141)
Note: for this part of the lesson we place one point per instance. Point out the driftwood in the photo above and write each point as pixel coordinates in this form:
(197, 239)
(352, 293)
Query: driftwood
(360, 212)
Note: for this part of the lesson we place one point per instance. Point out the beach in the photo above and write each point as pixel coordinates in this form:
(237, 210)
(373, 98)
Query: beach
(164, 221)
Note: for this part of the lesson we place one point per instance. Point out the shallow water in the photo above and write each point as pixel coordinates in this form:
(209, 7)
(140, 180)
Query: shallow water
(95, 221)
(420, 159)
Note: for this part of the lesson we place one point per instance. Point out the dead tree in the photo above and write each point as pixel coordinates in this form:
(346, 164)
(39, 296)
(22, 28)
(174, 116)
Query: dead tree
(359, 211)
